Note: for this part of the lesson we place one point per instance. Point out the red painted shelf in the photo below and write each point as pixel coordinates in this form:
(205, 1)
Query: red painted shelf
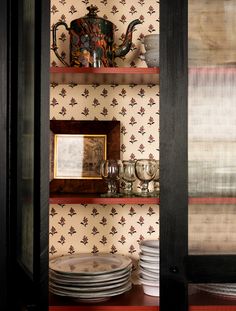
(71, 198)
(104, 75)
(136, 300)
(67, 198)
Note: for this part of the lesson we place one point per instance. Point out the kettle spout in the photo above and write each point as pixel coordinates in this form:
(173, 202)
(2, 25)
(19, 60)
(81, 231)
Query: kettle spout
(124, 48)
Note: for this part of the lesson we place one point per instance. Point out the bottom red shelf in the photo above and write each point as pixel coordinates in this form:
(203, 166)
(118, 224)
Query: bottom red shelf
(136, 300)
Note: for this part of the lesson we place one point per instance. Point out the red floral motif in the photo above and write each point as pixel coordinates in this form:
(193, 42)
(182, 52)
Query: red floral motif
(113, 212)
(72, 10)
(132, 139)
(84, 222)
(103, 221)
(62, 240)
(94, 212)
(95, 231)
(53, 230)
(72, 231)
(53, 212)
(132, 230)
(62, 221)
(95, 249)
(113, 249)
(113, 231)
(52, 250)
(122, 239)
(141, 130)
(123, 111)
(103, 240)
(73, 102)
(132, 211)
(84, 240)
(151, 230)
(132, 249)
(122, 221)
(72, 212)
(71, 250)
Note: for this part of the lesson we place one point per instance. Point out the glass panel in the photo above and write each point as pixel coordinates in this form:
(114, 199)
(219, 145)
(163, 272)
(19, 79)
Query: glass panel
(212, 126)
(26, 137)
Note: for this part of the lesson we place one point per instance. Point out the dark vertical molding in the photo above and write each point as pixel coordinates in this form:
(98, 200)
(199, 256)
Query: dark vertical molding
(42, 84)
(4, 151)
(173, 155)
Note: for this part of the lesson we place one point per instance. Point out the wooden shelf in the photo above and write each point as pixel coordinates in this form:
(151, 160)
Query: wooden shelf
(67, 198)
(104, 75)
(71, 198)
(136, 300)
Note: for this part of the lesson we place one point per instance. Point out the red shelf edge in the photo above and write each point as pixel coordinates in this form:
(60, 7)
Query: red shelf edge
(138, 308)
(60, 199)
(104, 308)
(78, 199)
(105, 70)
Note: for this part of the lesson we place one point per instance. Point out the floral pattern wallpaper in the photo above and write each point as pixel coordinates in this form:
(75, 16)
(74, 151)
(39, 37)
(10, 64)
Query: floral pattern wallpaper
(108, 228)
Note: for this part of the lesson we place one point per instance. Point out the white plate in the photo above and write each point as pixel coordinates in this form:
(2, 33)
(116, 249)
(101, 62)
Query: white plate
(97, 295)
(149, 247)
(225, 292)
(85, 279)
(150, 266)
(148, 258)
(147, 274)
(151, 290)
(87, 289)
(149, 282)
(89, 264)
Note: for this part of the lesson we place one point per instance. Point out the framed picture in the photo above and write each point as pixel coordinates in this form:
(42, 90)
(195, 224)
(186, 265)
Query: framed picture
(76, 151)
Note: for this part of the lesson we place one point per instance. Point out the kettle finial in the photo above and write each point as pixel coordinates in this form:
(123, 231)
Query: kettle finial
(93, 9)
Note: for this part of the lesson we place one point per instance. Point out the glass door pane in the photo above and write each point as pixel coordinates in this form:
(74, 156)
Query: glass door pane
(26, 125)
(212, 126)
(212, 140)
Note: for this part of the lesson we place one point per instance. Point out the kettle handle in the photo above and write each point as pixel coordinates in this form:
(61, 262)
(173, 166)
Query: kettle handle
(54, 43)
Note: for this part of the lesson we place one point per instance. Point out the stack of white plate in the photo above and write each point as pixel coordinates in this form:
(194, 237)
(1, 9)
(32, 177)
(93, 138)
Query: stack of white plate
(90, 277)
(223, 290)
(149, 266)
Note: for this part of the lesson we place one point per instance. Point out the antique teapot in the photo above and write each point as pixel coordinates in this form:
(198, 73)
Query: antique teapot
(91, 41)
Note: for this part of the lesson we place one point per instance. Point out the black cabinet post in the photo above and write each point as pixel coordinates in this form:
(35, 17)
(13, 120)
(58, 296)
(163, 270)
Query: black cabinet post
(173, 155)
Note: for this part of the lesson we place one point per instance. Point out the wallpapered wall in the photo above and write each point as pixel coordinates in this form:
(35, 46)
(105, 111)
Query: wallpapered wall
(108, 228)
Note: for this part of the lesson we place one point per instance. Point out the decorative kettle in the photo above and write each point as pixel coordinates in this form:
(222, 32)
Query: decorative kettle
(91, 41)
